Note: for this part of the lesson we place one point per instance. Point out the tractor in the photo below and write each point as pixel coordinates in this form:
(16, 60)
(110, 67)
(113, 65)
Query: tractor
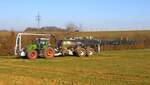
(43, 47)
(39, 47)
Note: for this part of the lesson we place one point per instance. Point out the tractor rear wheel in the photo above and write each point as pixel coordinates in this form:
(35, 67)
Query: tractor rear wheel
(90, 51)
(32, 54)
(81, 52)
(49, 53)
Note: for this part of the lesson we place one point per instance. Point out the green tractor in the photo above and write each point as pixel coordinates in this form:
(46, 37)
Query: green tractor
(39, 47)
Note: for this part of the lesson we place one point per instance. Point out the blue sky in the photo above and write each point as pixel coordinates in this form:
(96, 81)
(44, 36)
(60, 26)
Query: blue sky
(92, 14)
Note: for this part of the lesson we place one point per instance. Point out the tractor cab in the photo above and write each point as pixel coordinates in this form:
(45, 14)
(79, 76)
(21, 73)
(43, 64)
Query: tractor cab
(41, 42)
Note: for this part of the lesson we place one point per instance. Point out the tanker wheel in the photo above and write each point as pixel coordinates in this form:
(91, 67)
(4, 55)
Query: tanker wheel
(32, 54)
(81, 52)
(49, 53)
(90, 51)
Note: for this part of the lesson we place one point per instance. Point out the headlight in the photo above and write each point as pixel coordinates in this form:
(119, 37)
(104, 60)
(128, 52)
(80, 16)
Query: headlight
(22, 53)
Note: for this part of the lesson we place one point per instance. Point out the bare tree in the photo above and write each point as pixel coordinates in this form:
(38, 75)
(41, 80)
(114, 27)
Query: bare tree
(71, 27)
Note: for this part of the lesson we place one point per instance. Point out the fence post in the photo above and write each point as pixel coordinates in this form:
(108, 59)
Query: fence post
(99, 48)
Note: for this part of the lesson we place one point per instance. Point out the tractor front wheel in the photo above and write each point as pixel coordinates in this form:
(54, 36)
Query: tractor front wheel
(49, 53)
(32, 54)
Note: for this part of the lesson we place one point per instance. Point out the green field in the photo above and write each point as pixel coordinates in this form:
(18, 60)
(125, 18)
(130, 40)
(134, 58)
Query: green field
(130, 67)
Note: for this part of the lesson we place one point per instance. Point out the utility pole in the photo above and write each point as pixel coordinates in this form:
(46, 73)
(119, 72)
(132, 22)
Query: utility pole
(38, 18)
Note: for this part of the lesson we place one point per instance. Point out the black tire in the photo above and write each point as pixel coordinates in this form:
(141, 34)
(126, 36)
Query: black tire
(80, 52)
(48, 53)
(32, 54)
(90, 51)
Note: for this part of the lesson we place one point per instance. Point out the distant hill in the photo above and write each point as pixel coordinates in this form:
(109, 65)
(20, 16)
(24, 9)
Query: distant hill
(3, 30)
(45, 29)
(52, 29)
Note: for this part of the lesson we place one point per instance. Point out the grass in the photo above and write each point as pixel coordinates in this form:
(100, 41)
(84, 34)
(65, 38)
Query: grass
(129, 67)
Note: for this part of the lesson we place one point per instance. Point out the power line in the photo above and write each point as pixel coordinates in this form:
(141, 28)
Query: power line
(38, 18)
